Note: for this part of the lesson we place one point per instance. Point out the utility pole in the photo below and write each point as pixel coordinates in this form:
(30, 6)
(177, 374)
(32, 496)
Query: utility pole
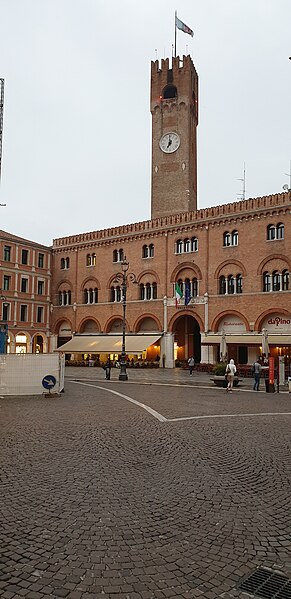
(1, 118)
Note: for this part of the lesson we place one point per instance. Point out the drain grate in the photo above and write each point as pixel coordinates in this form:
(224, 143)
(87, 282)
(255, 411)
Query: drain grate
(266, 584)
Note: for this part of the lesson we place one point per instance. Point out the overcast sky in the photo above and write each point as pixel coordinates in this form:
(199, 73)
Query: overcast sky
(77, 126)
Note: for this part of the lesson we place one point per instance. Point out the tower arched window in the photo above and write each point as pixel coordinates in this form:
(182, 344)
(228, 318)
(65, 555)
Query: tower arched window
(154, 291)
(151, 250)
(226, 239)
(67, 262)
(276, 280)
(234, 238)
(88, 260)
(60, 298)
(63, 264)
(239, 283)
(187, 245)
(280, 231)
(179, 246)
(285, 280)
(230, 284)
(169, 92)
(194, 244)
(222, 285)
(194, 289)
(93, 261)
(145, 251)
(266, 281)
(148, 291)
(142, 291)
(114, 255)
(271, 232)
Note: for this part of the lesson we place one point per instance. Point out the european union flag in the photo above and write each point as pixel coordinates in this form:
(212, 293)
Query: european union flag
(187, 293)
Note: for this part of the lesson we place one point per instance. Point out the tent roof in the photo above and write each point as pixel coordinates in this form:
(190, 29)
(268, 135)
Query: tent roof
(108, 343)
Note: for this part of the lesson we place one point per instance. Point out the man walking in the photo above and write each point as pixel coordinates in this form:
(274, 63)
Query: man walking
(256, 370)
(191, 364)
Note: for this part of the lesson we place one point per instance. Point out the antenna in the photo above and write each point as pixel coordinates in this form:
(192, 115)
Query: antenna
(1, 118)
(243, 193)
(288, 187)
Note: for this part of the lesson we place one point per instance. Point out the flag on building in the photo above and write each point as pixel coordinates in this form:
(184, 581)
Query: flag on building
(178, 293)
(180, 25)
(187, 293)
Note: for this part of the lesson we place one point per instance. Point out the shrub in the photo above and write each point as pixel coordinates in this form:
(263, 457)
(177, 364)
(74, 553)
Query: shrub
(219, 369)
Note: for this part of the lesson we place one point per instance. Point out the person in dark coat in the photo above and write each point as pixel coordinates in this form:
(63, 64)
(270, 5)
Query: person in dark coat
(108, 367)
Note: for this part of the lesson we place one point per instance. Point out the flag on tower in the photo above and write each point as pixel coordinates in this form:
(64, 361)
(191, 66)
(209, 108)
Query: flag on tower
(187, 293)
(178, 293)
(180, 25)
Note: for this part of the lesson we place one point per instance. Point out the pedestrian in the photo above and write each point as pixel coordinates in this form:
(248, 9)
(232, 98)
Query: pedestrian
(108, 367)
(256, 372)
(191, 364)
(230, 372)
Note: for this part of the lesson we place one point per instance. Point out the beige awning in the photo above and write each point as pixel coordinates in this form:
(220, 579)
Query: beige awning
(96, 344)
(246, 339)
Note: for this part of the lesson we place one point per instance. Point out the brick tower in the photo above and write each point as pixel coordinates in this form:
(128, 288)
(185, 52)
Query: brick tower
(174, 109)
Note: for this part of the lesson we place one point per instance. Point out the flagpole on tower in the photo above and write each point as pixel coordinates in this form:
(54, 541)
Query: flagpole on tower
(175, 49)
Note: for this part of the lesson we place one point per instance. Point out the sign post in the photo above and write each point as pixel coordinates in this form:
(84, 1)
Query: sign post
(271, 375)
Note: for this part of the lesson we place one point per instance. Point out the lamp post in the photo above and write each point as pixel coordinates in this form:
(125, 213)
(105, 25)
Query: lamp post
(123, 278)
(3, 329)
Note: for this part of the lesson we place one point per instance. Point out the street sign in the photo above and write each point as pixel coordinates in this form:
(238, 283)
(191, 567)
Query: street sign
(49, 381)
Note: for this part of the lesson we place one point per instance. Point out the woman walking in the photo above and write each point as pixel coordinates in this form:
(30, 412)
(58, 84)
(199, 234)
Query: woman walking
(230, 372)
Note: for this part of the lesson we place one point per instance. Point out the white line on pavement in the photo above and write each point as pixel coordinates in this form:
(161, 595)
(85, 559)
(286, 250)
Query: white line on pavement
(141, 405)
(228, 416)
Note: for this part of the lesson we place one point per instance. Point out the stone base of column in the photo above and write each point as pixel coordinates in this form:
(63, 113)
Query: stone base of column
(167, 351)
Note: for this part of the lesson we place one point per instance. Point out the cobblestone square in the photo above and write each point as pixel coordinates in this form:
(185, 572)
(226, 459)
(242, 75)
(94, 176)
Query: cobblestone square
(100, 498)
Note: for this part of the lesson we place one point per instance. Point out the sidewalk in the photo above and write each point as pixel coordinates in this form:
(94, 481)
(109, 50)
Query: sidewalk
(146, 376)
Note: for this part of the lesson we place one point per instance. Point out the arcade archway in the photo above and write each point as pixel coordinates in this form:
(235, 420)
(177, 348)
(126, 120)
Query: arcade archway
(187, 338)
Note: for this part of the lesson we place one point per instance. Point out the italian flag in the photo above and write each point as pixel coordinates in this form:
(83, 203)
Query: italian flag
(178, 293)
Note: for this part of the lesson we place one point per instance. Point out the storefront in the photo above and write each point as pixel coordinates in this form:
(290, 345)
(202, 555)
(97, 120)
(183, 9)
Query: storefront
(232, 340)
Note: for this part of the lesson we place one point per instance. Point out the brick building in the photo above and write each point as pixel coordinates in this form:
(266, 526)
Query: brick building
(25, 293)
(234, 258)
(230, 264)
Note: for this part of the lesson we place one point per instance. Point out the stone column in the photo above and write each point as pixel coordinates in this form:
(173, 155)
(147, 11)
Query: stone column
(167, 349)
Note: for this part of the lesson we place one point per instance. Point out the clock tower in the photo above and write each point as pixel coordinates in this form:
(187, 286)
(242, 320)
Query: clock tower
(174, 109)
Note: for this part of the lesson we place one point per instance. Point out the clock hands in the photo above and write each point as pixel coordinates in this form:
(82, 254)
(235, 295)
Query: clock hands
(169, 142)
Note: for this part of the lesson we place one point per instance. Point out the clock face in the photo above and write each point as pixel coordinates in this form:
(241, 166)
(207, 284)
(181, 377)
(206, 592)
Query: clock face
(170, 142)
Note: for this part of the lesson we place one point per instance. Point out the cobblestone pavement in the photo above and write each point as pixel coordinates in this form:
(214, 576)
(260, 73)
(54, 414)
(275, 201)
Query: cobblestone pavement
(100, 499)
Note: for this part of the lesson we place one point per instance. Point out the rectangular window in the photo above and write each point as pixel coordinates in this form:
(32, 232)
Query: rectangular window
(23, 313)
(24, 256)
(39, 314)
(40, 287)
(40, 260)
(5, 311)
(24, 285)
(6, 283)
(7, 253)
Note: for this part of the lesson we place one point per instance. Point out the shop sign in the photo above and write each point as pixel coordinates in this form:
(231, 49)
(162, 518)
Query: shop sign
(271, 370)
(232, 324)
(277, 323)
(65, 330)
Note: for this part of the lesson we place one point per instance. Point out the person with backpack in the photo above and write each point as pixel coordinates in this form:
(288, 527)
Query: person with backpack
(229, 373)
(256, 372)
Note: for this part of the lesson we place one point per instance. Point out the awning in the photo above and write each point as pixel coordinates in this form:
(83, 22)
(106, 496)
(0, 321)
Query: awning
(245, 339)
(97, 344)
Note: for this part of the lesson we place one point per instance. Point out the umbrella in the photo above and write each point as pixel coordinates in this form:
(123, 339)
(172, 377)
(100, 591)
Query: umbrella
(223, 347)
(265, 343)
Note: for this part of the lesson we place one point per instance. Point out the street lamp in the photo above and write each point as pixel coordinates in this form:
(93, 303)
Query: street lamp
(3, 328)
(123, 278)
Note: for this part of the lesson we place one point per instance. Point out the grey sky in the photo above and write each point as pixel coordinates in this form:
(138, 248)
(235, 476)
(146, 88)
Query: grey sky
(77, 126)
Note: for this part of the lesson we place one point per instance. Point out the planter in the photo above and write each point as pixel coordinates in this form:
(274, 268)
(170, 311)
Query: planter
(220, 381)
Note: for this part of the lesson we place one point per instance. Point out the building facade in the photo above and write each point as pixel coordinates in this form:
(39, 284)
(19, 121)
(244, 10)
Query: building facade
(231, 262)
(25, 269)
(212, 283)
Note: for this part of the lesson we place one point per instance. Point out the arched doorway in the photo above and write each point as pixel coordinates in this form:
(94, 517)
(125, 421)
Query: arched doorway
(187, 338)
(37, 344)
